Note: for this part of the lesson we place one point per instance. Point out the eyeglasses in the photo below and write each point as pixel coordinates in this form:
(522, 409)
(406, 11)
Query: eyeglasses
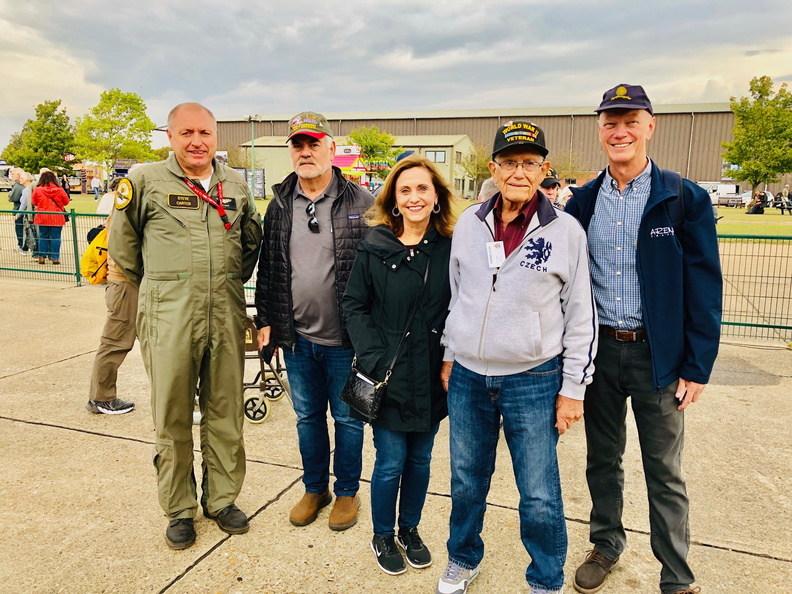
(313, 224)
(511, 166)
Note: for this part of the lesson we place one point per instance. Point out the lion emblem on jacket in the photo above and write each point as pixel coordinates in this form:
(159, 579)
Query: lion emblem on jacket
(537, 251)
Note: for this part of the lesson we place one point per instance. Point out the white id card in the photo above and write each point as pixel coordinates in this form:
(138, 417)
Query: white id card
(496, 254)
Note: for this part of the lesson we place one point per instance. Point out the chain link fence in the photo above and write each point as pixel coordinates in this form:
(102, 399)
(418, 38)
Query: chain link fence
(757, 274)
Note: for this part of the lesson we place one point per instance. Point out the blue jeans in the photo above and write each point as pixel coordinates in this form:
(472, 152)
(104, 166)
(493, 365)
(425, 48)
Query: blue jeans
(403, 457)
(96, 193)
(49, 241)
(526, 401)
(19, 224)
(317, 374)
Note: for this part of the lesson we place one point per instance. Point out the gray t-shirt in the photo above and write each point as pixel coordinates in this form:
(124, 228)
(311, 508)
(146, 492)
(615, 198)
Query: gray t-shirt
(316, 316)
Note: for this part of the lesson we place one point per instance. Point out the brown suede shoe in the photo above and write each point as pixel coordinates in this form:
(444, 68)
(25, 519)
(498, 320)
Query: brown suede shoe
(345, 513)
(308, 508)
(590, 576)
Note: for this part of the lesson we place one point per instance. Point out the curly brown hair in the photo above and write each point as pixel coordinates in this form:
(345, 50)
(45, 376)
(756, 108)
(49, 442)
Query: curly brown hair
(381, 212)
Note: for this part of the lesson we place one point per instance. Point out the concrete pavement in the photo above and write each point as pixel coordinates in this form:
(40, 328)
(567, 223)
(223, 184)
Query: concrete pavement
(80, 509)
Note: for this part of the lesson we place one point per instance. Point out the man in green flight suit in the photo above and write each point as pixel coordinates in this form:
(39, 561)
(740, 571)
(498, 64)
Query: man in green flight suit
(188, 233)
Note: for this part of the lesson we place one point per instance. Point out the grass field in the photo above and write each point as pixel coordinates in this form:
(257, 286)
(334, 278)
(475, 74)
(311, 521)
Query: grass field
(735, 221)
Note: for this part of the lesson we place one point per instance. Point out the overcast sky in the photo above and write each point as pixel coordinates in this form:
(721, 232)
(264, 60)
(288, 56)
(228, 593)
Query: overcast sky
(244, 57)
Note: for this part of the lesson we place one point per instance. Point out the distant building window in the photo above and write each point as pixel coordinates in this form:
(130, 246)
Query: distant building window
(471, 185)
(436, 156)
(458, 185)
(458, 157)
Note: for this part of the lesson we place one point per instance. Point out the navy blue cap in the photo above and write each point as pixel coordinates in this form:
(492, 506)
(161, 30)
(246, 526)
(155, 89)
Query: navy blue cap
(625, 97)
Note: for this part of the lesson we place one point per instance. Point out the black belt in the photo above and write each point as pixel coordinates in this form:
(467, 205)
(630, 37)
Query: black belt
(624, 335)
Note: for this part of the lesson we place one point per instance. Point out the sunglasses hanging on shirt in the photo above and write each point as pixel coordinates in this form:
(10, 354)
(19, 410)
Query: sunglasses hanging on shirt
(313, 224)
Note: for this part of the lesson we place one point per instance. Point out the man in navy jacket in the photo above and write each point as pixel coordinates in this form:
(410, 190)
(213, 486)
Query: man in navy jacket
(657, 282)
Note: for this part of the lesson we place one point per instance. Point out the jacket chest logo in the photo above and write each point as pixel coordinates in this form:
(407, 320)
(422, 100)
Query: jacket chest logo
(661, 232)
(189, 201)
(537, 253)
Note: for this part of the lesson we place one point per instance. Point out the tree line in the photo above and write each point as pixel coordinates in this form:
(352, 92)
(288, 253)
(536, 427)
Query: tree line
(115, 128)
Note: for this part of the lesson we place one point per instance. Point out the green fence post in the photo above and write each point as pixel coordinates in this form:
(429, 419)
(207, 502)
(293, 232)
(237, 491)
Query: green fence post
(76, 248)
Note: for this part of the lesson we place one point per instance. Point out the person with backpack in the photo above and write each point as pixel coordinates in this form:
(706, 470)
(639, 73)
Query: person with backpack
(118, 335)
(655, 269)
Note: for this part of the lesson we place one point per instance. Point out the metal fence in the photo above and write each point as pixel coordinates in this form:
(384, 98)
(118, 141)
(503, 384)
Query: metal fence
(757, 274)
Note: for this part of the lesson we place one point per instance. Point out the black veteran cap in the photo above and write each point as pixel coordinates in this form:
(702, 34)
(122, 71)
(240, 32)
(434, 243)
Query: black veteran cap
(519, 133)
(551, 179)
(625, 97)
(310, 123)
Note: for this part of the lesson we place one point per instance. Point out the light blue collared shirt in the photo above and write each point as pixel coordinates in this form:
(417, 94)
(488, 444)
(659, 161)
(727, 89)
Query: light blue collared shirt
(612, 241)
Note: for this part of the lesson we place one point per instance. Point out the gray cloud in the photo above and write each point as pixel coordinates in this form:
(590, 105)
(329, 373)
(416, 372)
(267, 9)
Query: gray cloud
(359, 55)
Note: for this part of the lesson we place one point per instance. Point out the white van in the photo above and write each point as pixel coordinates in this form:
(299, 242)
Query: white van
(5, 177)
(722, 194)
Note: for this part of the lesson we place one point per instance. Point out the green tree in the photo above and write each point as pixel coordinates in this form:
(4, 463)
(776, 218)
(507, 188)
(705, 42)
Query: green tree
(376, 149)
(160, 154)
(43, 141)
(569, 165)
(762, 146)
(116, 128)
(476, 164)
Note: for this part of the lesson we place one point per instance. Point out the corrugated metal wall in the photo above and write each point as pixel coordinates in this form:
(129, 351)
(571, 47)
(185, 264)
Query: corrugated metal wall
(698, 158)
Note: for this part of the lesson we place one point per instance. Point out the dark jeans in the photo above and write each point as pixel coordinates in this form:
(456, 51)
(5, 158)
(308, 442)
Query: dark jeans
(49, 241)
(624, 370)
(317, 374)
(526, 401)
(400, 470)
(19, 227)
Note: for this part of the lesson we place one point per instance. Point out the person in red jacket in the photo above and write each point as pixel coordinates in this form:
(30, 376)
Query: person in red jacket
(49, 197)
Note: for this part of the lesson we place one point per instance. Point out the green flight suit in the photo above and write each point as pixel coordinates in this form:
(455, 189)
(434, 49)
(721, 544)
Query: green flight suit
(190, 322)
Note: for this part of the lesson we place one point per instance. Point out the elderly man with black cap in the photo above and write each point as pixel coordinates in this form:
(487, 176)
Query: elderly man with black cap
(657, 282)
(311, 232)
(521, 337)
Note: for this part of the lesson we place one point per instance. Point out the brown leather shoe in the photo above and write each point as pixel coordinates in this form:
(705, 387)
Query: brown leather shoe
(308, 508)
(345, 513)
(590, 576)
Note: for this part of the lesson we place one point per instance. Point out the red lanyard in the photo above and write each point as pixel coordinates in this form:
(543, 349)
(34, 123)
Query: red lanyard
(218, 204)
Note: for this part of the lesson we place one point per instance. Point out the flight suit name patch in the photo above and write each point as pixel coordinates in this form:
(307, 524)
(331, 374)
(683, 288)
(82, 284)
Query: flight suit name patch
(229, 203)
(183, 201)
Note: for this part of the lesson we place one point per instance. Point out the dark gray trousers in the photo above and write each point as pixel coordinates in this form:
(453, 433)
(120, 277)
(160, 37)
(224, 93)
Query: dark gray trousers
(624, 370)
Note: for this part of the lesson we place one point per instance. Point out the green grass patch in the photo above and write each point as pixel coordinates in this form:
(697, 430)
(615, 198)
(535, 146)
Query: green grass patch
(736, 221)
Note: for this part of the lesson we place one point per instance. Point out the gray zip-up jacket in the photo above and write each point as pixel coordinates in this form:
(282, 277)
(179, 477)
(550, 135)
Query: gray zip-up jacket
(537, 305)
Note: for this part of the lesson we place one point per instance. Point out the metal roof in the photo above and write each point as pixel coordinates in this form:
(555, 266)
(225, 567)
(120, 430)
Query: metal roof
(483, 113)
(431, 140)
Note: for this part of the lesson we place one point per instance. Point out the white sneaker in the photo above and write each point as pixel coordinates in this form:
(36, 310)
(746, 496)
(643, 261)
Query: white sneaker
(456, 579)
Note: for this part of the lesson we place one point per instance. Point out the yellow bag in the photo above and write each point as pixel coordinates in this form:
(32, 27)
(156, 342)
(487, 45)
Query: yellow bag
(93, 264)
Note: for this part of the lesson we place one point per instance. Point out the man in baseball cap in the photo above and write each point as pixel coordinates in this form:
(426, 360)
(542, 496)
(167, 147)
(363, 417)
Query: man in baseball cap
(515, 262)
(551, 185)
(661, 244)
(311, 232)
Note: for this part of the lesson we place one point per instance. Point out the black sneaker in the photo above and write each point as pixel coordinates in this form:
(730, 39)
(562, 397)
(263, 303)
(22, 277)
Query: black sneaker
(112, 407)
(388, 556)
(230, 519)
(180, 533)
(414, 548)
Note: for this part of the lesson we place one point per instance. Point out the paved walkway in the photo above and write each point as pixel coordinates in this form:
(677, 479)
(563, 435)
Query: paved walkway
(80, 509)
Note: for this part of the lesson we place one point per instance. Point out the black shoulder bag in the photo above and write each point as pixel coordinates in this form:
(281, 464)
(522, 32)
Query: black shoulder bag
(363, 393)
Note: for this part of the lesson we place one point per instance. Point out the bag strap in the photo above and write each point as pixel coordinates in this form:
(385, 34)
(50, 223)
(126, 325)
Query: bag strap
(406, 332)
(675, 208)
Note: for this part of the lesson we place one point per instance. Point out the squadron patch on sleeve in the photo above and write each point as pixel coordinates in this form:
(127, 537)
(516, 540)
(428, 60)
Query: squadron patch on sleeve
(124, 194)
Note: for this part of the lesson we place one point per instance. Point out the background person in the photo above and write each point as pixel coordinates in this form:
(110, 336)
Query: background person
(96, 186)
(311, 231)
(551, 186)
(106, 203)
(48, 196)
(660, 325)
(14, 197)
(412, 220)
(29, 233)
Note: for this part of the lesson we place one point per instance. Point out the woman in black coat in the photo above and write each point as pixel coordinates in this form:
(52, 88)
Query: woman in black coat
(412, 221)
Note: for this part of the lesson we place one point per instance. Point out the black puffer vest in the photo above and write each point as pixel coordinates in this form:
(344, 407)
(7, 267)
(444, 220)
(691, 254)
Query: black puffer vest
(274, 305)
